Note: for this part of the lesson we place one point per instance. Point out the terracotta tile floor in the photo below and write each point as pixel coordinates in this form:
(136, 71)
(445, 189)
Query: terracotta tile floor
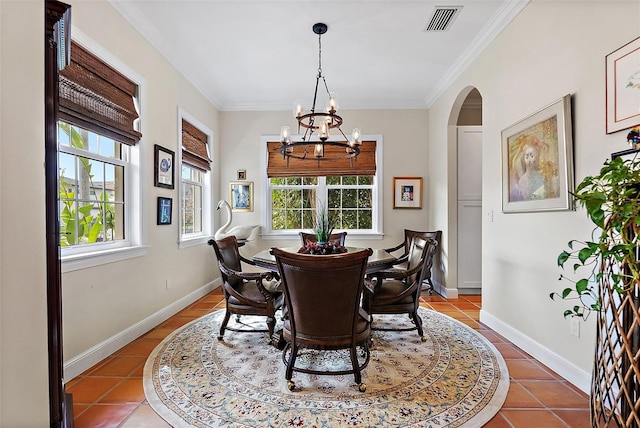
(110, 394)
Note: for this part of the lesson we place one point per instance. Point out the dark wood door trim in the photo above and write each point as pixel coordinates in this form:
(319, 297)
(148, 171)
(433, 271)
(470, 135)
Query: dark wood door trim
(56, 33)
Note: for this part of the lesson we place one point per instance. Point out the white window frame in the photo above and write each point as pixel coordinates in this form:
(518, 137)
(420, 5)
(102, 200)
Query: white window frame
(134, 245)
(321, 194)
(193, 239)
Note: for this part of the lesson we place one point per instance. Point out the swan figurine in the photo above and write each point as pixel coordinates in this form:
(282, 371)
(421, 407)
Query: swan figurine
(247, 232)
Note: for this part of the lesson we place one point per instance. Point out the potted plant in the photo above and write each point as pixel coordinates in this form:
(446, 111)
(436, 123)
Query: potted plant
(322, 230)
(323, 226)
(611, 288)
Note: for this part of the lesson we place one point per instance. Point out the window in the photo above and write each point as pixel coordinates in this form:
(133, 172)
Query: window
(98, 160)
(192, 195)
(352, 201)
(92, 187)
(195, 178)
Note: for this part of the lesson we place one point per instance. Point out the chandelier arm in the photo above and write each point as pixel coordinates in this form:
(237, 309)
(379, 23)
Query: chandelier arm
(326, 87)
(345, 137)
(315, 94)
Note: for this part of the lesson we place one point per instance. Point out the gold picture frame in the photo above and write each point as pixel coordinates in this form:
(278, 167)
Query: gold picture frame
(407, 192)
(537, 161)
(241, 195)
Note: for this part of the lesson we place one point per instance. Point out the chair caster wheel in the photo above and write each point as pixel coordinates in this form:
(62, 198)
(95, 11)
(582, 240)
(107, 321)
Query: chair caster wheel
(219, 337)
(362, 387)
(291, 385)
(423, 338)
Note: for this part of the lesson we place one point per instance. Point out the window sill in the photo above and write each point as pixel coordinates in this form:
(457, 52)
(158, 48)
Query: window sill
(194, 241)
(89, 260)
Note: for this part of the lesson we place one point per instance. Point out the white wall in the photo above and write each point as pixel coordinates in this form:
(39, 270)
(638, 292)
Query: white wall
(104, 306)
(24, 400)
(405, 154)
(549, 50)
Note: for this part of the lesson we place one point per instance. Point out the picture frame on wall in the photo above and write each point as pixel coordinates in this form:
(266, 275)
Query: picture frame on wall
(537, 161)
(164, 210)
(241, 195)
(623, 87)
(407, 192)
(242, 174)
(163, 170)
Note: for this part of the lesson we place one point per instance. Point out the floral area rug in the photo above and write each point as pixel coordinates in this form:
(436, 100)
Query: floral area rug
(454, 379)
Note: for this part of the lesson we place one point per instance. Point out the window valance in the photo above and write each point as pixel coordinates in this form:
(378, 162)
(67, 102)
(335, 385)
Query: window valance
(364, 164)
(95, 96)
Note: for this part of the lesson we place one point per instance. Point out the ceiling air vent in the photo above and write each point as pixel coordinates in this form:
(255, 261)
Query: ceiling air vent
(442, 18)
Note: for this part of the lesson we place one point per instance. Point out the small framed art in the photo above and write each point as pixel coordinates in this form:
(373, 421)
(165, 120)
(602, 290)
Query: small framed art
(242, 174)
(164, 210)
(241, 195)
(407, 192)
(163, 170)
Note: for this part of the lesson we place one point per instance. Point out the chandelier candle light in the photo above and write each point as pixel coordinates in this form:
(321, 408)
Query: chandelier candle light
(321, 122)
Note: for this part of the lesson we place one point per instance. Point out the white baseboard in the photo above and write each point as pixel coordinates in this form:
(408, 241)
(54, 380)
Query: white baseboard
(447, 293)
(558, 364)
(78, 364)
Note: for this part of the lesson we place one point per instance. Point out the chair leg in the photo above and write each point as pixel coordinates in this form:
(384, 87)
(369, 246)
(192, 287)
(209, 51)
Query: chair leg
(430, 285)
(271, 325)
(293, 348)
(418, 322)
(223, 326)
(362, 387)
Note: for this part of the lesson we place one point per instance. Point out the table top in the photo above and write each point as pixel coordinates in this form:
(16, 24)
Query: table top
(380, 259)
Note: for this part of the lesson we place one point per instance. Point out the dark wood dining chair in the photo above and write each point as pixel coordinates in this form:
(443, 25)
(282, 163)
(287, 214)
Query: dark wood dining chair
(406, 245)
(334, 238)
(397, 291)
(246, 293)
(322, 296)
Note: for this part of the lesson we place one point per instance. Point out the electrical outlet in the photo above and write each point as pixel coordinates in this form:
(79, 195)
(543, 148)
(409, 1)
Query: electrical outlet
(168, 283)
(574, 327)
(490, 216)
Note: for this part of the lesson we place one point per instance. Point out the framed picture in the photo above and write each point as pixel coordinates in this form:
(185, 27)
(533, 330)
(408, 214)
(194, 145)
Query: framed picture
(242, 175)
(623, 87)
(164, 210)
(163, 170)
(407, 192)
(241, 195)
(537, 161)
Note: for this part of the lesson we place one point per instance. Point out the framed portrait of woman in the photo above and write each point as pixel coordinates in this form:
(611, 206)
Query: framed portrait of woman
(537, 161)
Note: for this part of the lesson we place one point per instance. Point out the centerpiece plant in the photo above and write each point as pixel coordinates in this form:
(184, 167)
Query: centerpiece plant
(610, 288)
(323, 226)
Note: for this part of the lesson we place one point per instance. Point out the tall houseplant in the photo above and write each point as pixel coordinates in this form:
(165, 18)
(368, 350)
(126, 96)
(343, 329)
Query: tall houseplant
(610, 288)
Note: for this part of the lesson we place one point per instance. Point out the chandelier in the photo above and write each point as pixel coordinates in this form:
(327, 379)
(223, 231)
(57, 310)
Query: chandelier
(319, 123)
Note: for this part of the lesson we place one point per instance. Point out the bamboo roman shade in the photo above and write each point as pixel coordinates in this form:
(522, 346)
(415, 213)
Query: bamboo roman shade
(364, 164)
(96, 97)
(195, 150)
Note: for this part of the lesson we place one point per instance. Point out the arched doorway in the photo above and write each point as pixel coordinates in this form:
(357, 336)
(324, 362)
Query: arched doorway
(465, 191)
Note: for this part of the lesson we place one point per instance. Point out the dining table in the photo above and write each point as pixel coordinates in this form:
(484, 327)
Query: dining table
(378, 260)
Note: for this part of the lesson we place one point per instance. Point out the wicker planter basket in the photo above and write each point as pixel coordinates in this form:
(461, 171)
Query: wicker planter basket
(615, 387)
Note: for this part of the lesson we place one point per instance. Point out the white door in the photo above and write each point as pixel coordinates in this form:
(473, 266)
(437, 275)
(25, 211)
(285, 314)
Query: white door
(469, 209)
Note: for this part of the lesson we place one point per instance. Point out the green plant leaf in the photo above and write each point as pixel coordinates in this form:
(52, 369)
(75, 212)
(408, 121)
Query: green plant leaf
(562, 258)
(581, 286)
